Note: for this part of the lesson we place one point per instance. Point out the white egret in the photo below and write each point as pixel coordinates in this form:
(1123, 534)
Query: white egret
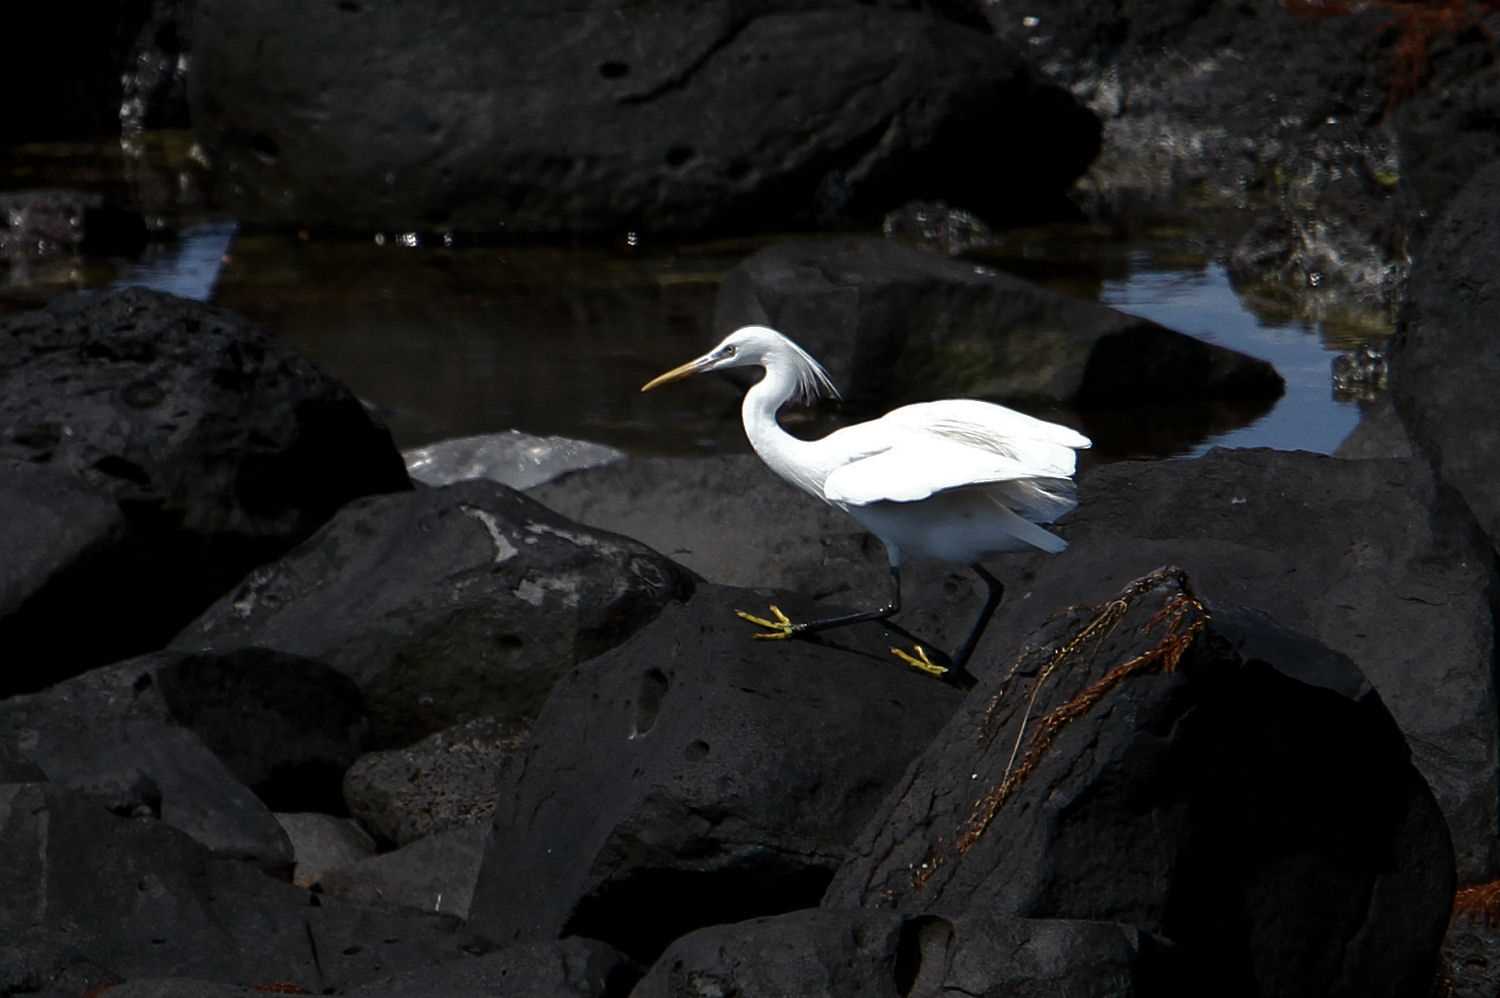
(956, 480)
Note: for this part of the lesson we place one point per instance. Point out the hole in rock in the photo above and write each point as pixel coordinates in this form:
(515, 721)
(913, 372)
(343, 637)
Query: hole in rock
(613, 70)
(648, 700)
(684, 900)
(921, 954)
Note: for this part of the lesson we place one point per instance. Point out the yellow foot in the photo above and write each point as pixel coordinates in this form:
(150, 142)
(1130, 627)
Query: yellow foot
(920, 661)
(781, 627)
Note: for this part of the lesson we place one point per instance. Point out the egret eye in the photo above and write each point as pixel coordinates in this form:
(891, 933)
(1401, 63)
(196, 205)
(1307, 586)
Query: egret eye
(728, 351)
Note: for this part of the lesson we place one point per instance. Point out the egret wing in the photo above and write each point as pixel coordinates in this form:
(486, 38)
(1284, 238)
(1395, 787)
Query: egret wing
(916, 467)
(1047, 448)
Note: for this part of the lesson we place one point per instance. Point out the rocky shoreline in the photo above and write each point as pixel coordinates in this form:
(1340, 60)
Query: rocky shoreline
(275, 718)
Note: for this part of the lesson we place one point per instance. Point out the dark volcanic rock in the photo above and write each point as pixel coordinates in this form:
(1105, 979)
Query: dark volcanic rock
(700, 774)
(896, 324)
(436, 873)
(143, 900)
(1231, 786)
(286, 727)
(220, 448)
(728, 518)
(884, 955)
(608, 115)
(144, 767)
(322, 842)
(1358, 555)
(447, 604)
(571, 968)
(1446, 357)
(446, 780)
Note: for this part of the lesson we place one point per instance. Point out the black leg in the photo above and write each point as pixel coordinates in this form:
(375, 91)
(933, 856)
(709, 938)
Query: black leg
(894, 606)
(996, 593)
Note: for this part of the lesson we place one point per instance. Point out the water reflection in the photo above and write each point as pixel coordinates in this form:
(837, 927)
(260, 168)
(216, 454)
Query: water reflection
(187, 267)
(557, 340)
(1201, 302)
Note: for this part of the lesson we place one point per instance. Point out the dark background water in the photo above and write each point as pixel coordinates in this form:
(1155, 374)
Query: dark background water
(557, 339)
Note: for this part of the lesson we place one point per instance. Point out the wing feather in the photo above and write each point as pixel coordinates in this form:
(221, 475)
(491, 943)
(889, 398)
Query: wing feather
(918, 450)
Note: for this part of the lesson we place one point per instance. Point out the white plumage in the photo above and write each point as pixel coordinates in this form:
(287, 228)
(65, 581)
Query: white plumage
(955, 480)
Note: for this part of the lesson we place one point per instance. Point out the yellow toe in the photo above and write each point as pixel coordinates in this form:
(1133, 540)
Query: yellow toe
(920, 661)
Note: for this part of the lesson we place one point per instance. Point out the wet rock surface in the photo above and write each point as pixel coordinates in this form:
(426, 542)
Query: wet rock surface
(685, 116)
(1089, 781)
(699, 773)
(885, 955)
(446, 604)
(1446, 357)
(219, 448)
(897, 324)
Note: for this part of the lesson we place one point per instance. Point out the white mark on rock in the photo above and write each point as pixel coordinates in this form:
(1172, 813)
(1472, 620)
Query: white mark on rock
(504, 549)
(529, 592)
(577, 540)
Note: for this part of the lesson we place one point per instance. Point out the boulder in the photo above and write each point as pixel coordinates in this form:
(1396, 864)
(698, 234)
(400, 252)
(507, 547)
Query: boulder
(1366, 557)
(446, 604)
(1194, 771)
(885, 955)
(143, 900)
(699, 774)
(435, 874)
(570, 968)
(321, 842)
(608, 115)
(1445, 357)
(893, 324)
(444, 781)
(286, 727)
(220, 448)
(143, 767)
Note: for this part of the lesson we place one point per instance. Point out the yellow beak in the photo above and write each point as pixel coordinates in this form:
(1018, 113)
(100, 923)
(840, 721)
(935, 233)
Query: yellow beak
(677, 373)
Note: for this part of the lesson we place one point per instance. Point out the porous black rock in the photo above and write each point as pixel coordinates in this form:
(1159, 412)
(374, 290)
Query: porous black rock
(1445, 357)
(139, 899)
(608, 115)
(876, 954)
(446, 604)
(446, 780)
(700, 774)
(219, 448)
(1193, 771)
(149, 768)
(895, 324)
(436, 873)
(1371, 558)
(286, 727)
(570, 968)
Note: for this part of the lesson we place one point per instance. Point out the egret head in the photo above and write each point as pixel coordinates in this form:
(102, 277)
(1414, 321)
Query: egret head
(757, 346)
